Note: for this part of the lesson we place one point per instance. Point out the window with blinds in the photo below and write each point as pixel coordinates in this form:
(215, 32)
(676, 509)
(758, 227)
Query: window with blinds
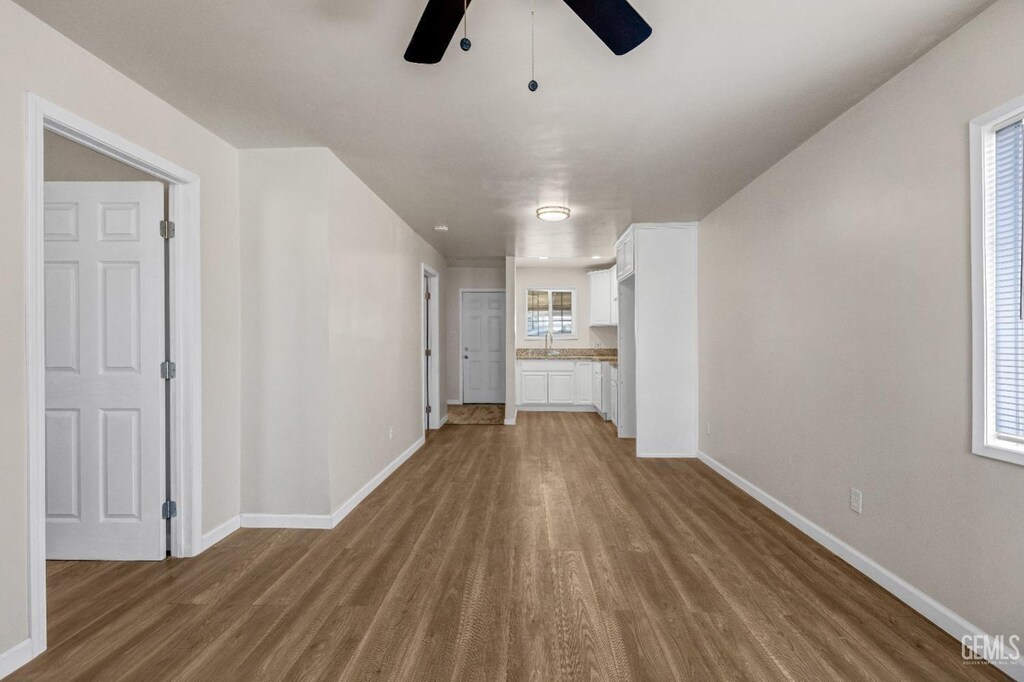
(1007, 327)
(550, 309)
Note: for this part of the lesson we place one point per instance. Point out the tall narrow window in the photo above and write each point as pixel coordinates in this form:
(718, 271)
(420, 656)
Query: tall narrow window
(551, 309)
(1008, 204)
(997, 224)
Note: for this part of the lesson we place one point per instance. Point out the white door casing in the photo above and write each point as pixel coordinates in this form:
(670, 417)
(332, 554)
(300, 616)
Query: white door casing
(483, 347)
(104, 343)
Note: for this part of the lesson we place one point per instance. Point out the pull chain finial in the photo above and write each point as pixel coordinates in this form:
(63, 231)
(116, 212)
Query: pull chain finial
(464, 43)
(533, 85)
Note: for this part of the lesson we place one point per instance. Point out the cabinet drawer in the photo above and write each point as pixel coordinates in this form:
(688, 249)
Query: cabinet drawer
(547, 365)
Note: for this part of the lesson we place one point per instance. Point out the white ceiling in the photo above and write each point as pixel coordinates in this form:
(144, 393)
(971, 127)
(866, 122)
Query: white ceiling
(721, 91)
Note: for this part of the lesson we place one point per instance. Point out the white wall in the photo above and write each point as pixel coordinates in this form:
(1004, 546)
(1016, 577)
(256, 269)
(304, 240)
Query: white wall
(332, 317)
(462, 278)
(561, 278)
(34, 57)
(835, 331)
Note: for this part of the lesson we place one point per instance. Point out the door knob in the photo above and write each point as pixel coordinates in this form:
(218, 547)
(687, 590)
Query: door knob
(465, 357)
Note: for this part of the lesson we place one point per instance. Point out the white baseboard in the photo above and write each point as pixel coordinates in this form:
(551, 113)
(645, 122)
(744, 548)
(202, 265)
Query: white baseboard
(455, 401)
(15, 657)
(220, 532)
(328, 521)
(350, 504)
(951, 622)
(444, 420)
(556, 408)
(510, 422)
(666, 455)
(321, 521)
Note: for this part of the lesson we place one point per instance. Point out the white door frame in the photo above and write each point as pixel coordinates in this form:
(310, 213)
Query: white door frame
(185, 337)
(434, 422)
(474, 290)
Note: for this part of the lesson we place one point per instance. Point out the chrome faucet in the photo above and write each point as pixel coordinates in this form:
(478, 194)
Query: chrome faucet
(549, 340)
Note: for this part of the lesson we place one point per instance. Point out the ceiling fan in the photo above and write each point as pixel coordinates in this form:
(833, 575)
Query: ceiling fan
(615, 22)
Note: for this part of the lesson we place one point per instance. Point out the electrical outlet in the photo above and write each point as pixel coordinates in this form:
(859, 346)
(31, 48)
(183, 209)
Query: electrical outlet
(391, 433)
(856, 500)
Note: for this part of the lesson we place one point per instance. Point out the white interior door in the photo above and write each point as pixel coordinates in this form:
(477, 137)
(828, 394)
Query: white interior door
(104, 290)
(483, 347)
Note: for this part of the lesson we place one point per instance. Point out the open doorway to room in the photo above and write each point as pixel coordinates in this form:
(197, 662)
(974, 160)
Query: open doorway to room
(112, 350)
(105, 284)
(431, 345)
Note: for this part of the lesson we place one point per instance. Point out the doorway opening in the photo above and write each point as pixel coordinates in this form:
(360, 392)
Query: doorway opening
(482, 357)
(430, 371)
(109, 304)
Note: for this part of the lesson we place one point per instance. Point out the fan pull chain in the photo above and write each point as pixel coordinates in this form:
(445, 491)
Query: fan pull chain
(464, 43)
(533, 85)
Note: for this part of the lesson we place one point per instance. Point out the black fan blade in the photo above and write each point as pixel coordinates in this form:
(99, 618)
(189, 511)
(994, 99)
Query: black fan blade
(615, 22)
(434, 32)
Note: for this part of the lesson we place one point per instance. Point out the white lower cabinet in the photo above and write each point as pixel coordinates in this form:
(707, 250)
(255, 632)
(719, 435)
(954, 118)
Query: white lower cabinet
(613, 409)
(533, 388)
(584, 383)
(574, 383)
(562, 388)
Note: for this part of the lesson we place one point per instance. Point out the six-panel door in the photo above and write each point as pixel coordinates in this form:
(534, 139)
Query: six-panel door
(483, 352)
(104, 342)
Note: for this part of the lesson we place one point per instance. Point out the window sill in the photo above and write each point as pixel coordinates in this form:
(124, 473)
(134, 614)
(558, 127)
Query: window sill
(1001, 450)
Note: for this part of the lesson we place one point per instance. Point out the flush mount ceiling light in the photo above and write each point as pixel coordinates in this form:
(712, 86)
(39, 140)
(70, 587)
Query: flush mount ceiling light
(552, 214)
(441, 228)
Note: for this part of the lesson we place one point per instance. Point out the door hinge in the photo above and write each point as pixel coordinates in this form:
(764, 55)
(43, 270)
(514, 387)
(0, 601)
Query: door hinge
(169, 510)
(429, 409)
(168, 369)
(167, 229)
(428, 353)
(426, 296)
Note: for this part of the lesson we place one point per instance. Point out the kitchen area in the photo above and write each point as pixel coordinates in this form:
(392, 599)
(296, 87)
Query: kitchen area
(617, 339)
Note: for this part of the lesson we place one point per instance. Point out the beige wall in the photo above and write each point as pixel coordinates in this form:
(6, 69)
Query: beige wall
(462, 278)
(561, 278)
(835, 331)
(285, 262)
(34, 57)
(375, 332)
(64, 160)
(332, 311)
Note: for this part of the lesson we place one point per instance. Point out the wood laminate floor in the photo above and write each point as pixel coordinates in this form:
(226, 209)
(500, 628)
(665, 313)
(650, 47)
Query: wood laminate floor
(544, 551)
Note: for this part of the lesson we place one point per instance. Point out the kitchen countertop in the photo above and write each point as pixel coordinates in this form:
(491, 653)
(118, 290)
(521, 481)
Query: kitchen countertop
(600, 354)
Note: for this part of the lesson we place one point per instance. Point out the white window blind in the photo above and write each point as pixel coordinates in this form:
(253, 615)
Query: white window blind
(1008, 204)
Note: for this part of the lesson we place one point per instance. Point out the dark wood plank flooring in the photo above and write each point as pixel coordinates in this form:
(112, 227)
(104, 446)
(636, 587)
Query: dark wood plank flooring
(544, 552)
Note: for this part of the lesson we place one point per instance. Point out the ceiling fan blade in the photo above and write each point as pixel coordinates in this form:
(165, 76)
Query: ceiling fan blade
(434, 32)
(615, 22)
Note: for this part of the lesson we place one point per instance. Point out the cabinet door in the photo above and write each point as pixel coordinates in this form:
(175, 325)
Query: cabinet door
(584, 383)
(561, 388)
(613, 408)
(600, 303)
(534, 388)
(613, 294)
(624, 256)
(595, 386)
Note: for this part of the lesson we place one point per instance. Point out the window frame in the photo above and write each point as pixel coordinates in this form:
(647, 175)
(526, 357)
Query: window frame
(575, 315)
(984, 439)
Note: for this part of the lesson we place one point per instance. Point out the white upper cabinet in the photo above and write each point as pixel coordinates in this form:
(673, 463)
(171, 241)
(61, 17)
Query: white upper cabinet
(625, 255)
(601, 284)
(613, 286)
